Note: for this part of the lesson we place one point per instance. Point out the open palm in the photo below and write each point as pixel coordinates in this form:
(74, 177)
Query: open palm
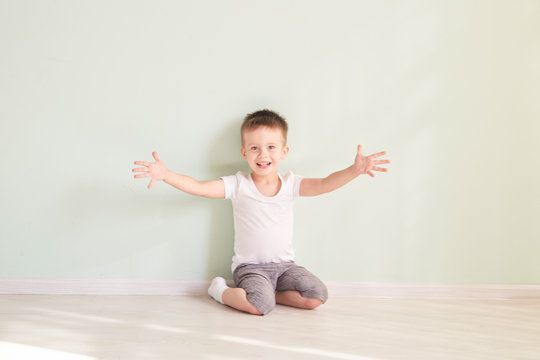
(156, 171)
(367, 164)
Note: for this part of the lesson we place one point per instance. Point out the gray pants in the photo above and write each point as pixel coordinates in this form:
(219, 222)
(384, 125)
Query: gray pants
(261, 281)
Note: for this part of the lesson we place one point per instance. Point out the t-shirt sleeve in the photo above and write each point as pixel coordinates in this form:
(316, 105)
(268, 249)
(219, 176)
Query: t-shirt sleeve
(231, 184)
(297, 180)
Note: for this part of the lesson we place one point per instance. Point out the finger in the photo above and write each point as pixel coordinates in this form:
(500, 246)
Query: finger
(379, 154)
(381, 162)
(143, 163)
(151, 183)
(379, 169)
(370, 174)
(359, 149)
(140, 170)
(155, 155)
(138, 176)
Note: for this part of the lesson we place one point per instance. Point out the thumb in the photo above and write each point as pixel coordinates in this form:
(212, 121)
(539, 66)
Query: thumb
(359, 149)
(156, 157)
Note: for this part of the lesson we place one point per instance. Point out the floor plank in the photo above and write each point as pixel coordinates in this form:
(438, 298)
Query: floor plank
(191, 327)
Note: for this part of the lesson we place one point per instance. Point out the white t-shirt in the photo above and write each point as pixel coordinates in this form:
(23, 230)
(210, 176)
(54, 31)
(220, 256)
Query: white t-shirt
(263, 226)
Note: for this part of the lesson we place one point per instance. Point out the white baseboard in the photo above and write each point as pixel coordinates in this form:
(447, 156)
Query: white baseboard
(199, 287)
(433, 291)
(102, 287)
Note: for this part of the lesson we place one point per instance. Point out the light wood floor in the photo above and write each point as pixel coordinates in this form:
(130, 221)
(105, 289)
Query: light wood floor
(181, 327)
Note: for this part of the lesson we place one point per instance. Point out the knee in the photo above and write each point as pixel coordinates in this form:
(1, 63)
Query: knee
(253, 311)
(262, 302)
(311, 304)
(315, 296)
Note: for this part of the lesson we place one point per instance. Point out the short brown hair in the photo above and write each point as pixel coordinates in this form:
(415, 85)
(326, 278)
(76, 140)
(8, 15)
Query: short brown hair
(266, 118)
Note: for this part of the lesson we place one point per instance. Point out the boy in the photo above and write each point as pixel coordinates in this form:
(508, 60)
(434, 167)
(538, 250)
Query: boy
(263, 264)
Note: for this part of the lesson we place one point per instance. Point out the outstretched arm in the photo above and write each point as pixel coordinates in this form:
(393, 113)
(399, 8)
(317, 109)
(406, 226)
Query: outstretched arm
(158, 171)
(362, 165)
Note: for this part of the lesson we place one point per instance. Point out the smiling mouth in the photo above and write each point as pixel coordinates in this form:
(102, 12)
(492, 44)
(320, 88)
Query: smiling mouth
(264, 165)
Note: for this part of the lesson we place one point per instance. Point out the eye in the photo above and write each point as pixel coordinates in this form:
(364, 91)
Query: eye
(271, 147)
(254, 148)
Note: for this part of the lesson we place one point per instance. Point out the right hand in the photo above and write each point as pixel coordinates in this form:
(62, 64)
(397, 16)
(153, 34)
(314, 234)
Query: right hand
(156, 170)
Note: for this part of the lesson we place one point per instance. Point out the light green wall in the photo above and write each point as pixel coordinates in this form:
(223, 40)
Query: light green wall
(449, 88)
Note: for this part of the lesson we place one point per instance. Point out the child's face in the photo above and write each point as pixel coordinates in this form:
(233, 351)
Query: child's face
(263, 149)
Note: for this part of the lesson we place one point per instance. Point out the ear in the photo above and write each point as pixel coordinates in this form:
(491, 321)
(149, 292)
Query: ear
(285, 151)
(243, 152)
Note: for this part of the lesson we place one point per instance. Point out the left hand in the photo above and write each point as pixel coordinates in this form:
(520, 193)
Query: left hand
(366, 164)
